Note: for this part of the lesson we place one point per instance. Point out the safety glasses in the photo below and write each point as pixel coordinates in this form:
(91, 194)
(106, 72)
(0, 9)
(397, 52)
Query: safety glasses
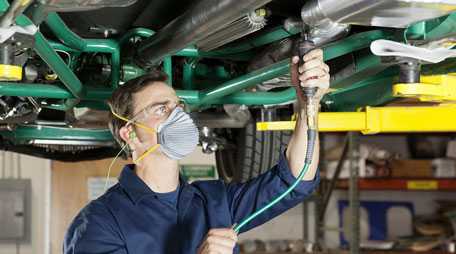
(157, 111)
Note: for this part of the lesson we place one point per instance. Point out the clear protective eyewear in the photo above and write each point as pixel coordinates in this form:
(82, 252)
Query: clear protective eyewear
(157, 110)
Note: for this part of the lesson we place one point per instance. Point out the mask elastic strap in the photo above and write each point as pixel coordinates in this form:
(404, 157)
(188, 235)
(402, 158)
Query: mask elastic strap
(135, 123)
(150, 150)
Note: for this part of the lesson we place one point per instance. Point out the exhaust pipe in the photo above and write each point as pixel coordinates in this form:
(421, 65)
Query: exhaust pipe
(206, 17)
(322, 29)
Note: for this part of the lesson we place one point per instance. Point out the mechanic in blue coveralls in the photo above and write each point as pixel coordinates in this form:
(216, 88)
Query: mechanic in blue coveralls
(152, 210)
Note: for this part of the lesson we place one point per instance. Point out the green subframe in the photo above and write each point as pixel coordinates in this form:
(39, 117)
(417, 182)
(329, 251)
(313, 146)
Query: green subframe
(72, 91)
(23, 133)
(227, 92)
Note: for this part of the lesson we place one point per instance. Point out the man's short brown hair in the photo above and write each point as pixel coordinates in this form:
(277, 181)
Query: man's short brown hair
(121, 101)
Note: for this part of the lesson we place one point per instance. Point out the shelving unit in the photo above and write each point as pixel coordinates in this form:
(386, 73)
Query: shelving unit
(354, 185)
(402, 184)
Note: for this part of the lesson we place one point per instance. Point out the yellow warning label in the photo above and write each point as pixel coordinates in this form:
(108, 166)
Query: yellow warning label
(422, 185)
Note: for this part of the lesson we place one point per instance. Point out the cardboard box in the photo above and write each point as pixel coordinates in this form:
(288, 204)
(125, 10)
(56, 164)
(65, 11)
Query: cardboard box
(411, 168)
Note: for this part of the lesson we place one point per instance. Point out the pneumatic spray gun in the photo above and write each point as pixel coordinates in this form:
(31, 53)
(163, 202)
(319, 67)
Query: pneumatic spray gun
(306, 94)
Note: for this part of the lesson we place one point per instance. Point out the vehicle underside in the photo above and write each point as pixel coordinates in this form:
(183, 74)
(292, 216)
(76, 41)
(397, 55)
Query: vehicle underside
(229, 60)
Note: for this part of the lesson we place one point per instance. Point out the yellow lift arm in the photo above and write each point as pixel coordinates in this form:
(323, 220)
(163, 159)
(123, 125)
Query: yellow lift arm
(436, 88)
(441, 118)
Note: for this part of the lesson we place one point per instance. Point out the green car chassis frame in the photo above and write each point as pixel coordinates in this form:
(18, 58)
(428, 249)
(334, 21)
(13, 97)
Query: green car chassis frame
(349, 92)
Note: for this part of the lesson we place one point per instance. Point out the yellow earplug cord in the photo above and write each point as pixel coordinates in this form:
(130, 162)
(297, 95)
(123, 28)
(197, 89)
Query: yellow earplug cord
(150, 150)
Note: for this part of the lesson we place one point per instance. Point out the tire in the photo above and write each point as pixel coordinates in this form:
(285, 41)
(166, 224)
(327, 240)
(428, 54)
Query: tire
(252, 153)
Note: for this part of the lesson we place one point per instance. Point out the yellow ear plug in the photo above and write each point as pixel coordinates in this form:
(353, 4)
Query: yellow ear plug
(132, 135)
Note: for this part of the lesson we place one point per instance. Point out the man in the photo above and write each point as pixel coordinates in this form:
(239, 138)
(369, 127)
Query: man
(152, 210)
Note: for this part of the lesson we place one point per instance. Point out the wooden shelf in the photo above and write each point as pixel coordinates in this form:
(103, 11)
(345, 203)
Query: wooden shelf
(443, 184)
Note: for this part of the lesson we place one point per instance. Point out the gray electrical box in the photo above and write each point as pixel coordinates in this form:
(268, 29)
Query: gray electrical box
(15, 210)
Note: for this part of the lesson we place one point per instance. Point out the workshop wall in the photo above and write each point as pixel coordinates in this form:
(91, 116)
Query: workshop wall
(70, 188)
(199, 158)
(38, 171)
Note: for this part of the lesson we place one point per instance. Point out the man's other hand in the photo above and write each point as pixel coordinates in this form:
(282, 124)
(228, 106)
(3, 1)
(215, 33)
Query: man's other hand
(219, 241)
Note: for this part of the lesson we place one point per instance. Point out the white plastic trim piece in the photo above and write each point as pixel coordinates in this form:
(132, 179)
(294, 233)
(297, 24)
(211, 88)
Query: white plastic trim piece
(392, 48)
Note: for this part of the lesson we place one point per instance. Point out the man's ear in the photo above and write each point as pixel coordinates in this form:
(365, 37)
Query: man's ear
(124, 134)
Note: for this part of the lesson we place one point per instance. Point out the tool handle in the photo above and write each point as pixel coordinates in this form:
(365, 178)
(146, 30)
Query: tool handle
(302, 47)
